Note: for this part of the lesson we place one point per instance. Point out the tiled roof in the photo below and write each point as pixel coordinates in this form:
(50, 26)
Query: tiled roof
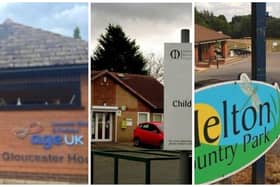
(24, 46)
(203, 34)
(145, 87)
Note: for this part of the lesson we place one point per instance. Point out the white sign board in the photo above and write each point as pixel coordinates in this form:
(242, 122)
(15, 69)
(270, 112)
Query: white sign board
(178, 96)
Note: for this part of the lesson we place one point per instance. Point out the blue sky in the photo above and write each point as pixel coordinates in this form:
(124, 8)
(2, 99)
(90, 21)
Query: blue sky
(60, 18)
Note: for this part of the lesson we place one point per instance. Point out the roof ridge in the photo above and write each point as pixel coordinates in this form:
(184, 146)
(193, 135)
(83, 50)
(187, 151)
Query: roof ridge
(204, 34)
(9, 21)
(118, 79)
(26, 46)
(212, 30)
(132, 89)
(135, 75)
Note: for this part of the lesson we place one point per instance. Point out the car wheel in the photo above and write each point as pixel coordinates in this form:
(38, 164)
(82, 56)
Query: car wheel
(136, 142)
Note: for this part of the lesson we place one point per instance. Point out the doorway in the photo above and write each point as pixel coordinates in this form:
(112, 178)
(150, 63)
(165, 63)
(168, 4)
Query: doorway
(102, 126)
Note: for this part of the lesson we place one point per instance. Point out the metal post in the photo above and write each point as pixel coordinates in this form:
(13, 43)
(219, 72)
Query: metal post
(148, 172)
(185, 156)
(186, 167)
(116, 170)
(92, 168)
(185, 36)
(258, 41)
(258, 71)
(259, 171)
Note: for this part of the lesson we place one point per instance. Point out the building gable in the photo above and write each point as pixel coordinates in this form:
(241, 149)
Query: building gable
(137, 85)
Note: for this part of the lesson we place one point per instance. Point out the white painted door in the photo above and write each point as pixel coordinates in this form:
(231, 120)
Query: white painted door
(102, 126)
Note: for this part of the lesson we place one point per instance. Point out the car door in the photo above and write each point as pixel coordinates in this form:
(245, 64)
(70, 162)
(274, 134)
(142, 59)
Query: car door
(144, 137)
(154, 135)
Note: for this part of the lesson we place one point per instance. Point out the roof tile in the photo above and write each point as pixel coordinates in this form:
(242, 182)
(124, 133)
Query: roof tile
(24, 46)
(144, 86)
(203, 34)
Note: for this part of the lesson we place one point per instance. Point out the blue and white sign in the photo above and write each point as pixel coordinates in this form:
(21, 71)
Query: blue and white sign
(236, 122)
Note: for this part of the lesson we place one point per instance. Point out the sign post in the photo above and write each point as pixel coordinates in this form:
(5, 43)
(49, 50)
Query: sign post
(258, 70)
(178, 102)
(185, 156)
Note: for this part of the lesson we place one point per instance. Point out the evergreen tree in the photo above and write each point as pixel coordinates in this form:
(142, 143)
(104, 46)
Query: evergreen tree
(238, 27)
(241, 26)
(118, 53)
(76, 33)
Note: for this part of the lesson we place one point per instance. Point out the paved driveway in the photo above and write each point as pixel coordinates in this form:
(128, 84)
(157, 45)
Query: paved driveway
(231, 71)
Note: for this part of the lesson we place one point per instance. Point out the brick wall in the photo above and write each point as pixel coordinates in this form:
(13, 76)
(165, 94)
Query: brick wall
(133, 106)
(12, 121)
(116, 95)
(196, 54)
(211, 52)
(103, 91)
(224, 49)
(207, 52)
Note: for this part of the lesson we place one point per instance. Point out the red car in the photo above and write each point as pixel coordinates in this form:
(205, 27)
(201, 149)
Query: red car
(148, 133)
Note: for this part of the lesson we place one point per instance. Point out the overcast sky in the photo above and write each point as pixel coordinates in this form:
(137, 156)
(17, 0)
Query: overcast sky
(231, 9)
(60, 18)
(151, 24)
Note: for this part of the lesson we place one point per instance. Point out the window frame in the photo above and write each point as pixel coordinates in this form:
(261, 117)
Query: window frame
(23, 85)
(148, 117)
(161, 114)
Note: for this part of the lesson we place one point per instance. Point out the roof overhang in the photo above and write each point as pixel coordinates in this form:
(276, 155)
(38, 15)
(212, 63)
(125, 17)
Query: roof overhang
(69, 69)
(210, 41)
(105, 108)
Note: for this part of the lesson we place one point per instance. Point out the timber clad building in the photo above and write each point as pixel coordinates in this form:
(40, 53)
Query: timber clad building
(120, 102)
(43, 105)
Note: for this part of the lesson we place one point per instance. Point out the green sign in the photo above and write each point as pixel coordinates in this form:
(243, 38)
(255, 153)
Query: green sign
(236, 123)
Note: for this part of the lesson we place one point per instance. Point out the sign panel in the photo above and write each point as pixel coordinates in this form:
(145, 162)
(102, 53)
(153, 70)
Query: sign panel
(236, 123)
(55, 147)
(178, 96)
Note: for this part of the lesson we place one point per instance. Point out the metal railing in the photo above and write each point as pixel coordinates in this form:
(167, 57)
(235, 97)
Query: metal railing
(150, 155)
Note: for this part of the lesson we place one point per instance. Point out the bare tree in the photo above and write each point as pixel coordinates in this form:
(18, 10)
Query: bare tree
(154, 66)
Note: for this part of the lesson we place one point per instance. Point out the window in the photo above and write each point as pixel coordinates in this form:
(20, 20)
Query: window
(145, 126)
(143, 117)
(40, 94)
(149, 127)
(153, 128)
(157, 117)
